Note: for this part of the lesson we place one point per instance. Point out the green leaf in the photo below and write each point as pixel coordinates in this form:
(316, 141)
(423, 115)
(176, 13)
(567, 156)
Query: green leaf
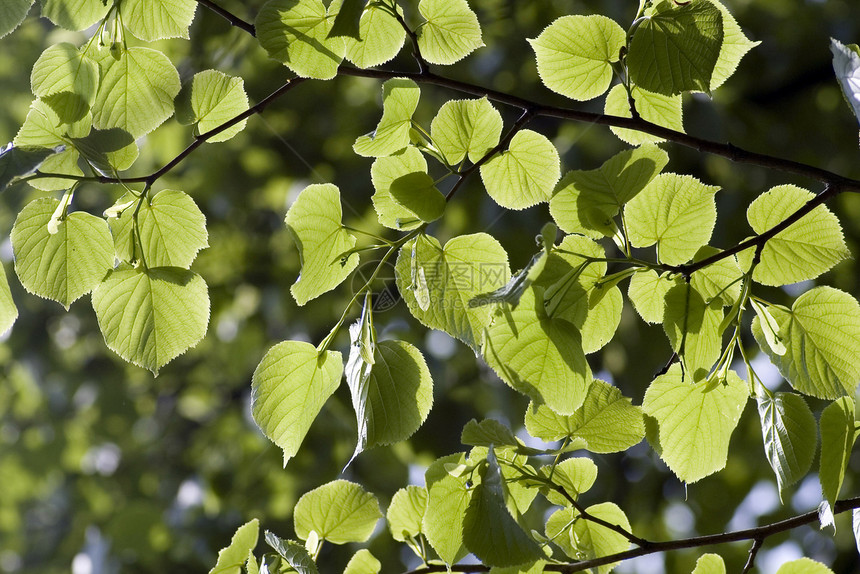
(451, 31)
(314, 221)
(524, 174)
(296, 33)
(838, 434)
(693, 328)
(677, 212)
(769, 327)
(339, 512)
(695, 421)
(74, 14)
(17, 162)
(647, 291)
(607, 421)
(574, 475)
(656, 108)
(136, 91)
(150, 316)
(718, 281)
(417, 193)
(536, 567)
(846, 66)
(463, 127)
(385, 171)
(171, 229)
(66, 80)
(63, 265)
(382, 37)
(710, 564)
(539, 356)
(804, 566)
(676, 48)
(107, 151)
(346, 21)
(468, 265)
(233, 557)
(574, 55)
(289, 387)
(805, 250)
(514, 289)
(587, 201)
(447, 500)
(582, 539)
(489, 530)
(399, 101)
(293, 553)
(12, 13)
(8, 310)
(821, 333)
(488, 432)
(734, 47)
(214, 99)
(406, 513)
(789, 433)
(152, 20)
(363, 562)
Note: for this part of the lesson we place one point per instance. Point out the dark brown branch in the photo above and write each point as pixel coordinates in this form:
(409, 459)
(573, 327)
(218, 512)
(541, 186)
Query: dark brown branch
(229, 16)
(756, 546)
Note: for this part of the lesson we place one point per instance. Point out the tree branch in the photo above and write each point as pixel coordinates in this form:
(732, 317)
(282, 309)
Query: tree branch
(229, 16)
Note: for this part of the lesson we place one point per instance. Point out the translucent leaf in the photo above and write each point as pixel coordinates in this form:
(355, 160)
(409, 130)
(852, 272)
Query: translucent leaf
(693, 328)
(289, 387)
(574, 475)
(468, 265)
(232, 558)
(695, 421)
(718, 281)
(17, 162)
(43, 128)
(821, 334)
(734, 47)
(677, 212)
(676, 48)
(363, 562)
(170, 226)
(587, 201)
(136, 92)
(647, 291)
(536, 567)
(489, 530)
(789, 433)
(399, 101)
(66, 80)
(65, 265)
(347, 18)
(512, 290)
(804, 566)
(314, 221)
(8, 310)
(339, 512)
(214, 99)
(656, 108)
(447, 501)
(769, 327)
(296, 33)
(417, 193)
(524, 174)
(74, 14)
(451, 31)
(382, 37)
(385, 171)
(838, 434)
(846, 66)
(12, 13)
(150, 316)
(406, 512)
(152, 20)
(805, 250)
(488, 432)
(607, 421)
(107, 151)
(464, 127)
(539, 356)
(582, 539)
(574, 54)
(293, 553)
(710, 564)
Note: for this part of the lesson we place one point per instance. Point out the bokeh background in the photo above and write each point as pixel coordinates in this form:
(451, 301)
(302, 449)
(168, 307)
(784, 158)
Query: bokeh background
(105, 469)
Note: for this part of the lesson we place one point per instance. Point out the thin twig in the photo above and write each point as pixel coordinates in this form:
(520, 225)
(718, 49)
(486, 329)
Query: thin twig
(756, 546)
(229, 16)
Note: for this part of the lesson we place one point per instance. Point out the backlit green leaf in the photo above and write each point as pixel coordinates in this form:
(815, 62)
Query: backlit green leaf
(152, 20)
(232, 558)
(107, 151)
(346, 20)
(582, 539)
(718, 281)
(647, 291)
(447, 501)
(339, 512)
(488, 432)
(838, 434)
(656, 108)
(821, 334)
(296, 33)
(693, 328)
(695, 421)
(12, 13)
(805, 250)
(574, 54)
(574, 475)
(314, 221)
(451, 31)
(399, 100)
(677, 212)
(463, 127)
(524, 174)
(363, 562)
(74, 14)
(676, 48)
(17, 162)
(385, 171)
(65, 265)
(406, 512)
(66, 80)
(804, 566)
(43, 129)
(382, 37)
(417, 193)
(136, 92)
(295, 555)
(734, 47)
(214, 99)
(8, 310)
(789, 433)
(289, 387)
(710, 564)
